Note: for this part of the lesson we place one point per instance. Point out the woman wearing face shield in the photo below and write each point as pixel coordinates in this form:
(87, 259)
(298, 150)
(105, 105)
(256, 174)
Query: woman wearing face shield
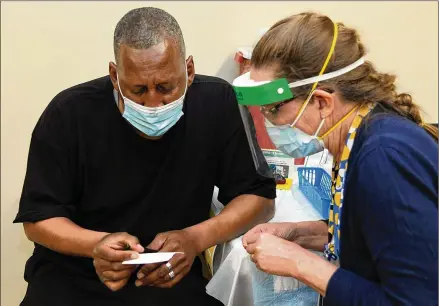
(317, 91)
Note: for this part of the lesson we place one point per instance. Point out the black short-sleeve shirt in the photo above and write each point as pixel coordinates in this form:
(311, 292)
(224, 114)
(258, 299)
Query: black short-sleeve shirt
(87, 163)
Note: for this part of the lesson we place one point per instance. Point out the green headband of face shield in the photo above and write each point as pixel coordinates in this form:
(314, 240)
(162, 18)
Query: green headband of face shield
(252, 93)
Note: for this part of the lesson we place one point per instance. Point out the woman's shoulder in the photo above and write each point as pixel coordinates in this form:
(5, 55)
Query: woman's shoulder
(392, 151)
(392, 134)
(394, 171)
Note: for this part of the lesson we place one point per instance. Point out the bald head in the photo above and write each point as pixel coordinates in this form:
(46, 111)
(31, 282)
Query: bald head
(146, 27)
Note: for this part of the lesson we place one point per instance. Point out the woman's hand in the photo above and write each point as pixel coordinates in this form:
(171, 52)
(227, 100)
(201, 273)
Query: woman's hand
(284, 230)
(277, 256)
(274, 255)
(308, 234)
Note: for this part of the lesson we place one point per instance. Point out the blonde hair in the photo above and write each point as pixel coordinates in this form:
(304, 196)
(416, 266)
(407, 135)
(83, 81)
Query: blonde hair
(297, 47)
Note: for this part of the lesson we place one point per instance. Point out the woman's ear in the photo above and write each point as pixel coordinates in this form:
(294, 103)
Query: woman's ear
(325, 101)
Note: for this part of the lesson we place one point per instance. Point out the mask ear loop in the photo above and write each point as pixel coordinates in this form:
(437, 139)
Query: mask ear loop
(319, 128)
(315, 135)
(331, 129)
(118, 85)
(302, 109)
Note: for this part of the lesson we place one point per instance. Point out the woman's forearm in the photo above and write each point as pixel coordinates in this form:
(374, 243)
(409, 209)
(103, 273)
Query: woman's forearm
(312, 235)
(315, 272)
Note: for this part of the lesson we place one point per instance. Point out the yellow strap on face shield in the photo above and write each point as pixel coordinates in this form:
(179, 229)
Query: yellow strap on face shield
(331, 51)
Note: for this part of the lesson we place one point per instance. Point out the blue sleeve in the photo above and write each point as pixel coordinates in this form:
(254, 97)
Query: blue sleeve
(396, 210)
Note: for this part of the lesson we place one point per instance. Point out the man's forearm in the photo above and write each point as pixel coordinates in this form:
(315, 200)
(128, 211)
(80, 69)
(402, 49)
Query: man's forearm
(239, 216)
(63, 236)
(312, 235)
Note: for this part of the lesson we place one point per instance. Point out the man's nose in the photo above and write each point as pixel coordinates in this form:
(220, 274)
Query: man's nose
(153, 99)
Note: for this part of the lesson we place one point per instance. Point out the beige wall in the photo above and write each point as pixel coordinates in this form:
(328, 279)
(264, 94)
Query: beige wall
(49, 46)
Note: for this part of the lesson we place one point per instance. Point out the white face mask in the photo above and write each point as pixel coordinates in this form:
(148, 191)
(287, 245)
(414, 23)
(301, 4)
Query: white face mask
(153, 121)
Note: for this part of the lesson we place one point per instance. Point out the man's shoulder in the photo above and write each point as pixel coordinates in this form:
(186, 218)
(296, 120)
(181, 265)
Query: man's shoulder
(74, 102)
(217, 91)
(90, 89)
(210, 84)
(207, 80)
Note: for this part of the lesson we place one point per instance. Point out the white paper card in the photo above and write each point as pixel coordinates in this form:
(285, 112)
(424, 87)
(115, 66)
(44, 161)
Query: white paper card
(150, 258)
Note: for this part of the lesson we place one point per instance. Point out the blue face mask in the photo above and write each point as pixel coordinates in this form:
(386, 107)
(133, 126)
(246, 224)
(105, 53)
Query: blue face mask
(294, 142)
(153, 121)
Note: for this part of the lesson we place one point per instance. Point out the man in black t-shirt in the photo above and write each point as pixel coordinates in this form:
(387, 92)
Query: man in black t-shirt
(129, 161)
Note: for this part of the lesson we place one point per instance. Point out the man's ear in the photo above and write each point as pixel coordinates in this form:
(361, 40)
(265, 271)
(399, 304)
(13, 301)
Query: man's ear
(190, 70)
(325, 101)
(113, 75)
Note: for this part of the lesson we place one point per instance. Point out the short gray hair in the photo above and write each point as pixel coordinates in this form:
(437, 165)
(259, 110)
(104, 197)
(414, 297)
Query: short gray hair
(146, 27)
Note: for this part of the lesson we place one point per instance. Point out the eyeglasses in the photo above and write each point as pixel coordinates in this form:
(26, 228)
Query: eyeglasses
(275, 108)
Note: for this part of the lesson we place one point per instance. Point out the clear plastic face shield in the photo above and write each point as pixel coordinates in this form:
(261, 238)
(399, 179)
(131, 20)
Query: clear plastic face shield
(270, 96)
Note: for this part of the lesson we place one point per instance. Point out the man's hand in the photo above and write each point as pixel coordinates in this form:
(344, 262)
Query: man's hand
(108, 256)
(169, 274)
